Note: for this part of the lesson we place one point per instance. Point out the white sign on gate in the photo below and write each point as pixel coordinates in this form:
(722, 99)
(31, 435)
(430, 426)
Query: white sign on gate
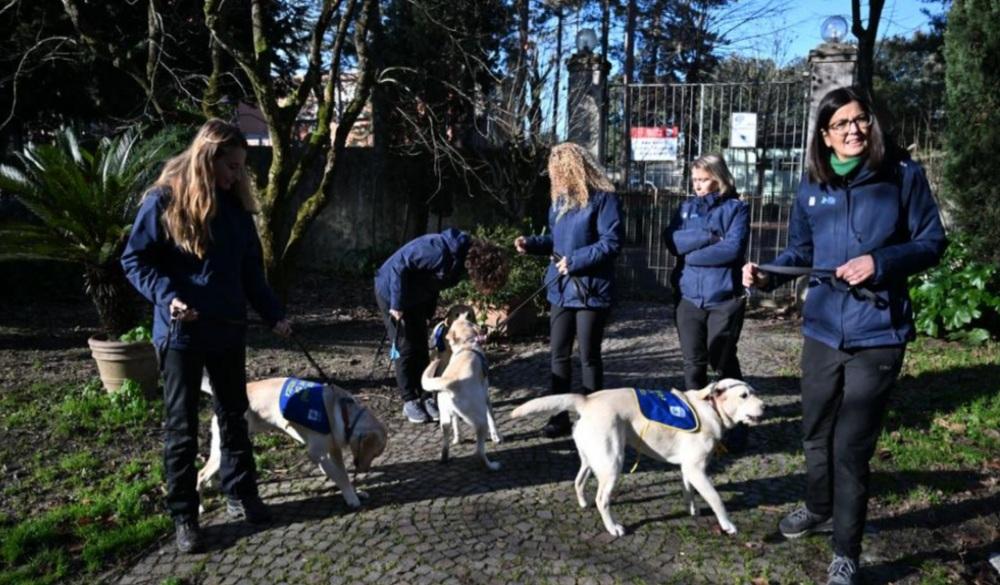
(743, 130)
(654, 143)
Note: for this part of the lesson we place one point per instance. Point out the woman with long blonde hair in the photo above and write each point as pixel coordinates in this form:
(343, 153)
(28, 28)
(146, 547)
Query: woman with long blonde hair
(195, 254)
(583, 241)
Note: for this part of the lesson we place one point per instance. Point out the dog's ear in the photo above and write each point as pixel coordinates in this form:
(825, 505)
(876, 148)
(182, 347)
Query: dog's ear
(710, 391)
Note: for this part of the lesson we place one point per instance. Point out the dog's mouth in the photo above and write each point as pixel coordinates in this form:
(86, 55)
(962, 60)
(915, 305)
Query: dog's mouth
(753, 419)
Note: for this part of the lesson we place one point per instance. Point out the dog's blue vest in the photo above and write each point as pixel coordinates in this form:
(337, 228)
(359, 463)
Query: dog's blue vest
(301, 402)
(668, 407)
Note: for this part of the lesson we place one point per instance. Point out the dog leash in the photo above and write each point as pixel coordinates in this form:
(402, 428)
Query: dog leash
(828, 275)
(500, 326)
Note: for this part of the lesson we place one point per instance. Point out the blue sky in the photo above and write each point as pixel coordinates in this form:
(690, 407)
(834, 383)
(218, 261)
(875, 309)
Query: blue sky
(797, 28)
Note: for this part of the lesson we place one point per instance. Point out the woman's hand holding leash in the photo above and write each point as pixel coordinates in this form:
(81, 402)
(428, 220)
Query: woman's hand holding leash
(856, 270)
(180, 311)
(753, 277)
(521, 245)
(396, 314)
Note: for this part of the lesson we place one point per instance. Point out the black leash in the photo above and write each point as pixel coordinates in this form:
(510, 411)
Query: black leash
(175, 323)
(381, 346)
(499, 326)
(828, 275)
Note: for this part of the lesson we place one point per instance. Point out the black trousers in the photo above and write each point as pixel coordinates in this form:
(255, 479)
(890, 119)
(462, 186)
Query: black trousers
(709, 337)
(410, 337)
(844, 398)
(587, 327)
(182, 371)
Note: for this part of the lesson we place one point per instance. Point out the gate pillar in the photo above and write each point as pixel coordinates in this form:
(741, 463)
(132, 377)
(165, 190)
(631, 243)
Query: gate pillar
(585, 97)
(831, 65)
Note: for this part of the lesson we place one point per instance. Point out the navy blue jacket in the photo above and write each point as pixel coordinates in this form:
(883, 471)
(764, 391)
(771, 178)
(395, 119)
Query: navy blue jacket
(709, 236)
(890, 214)
(590, 238)
(424, 266)
(218, 286)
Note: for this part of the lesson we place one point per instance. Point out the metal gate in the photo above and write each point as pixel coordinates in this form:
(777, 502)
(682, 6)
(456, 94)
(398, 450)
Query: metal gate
(760, 129)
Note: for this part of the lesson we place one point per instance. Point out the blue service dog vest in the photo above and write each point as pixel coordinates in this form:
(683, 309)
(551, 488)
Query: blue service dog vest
(669, 408)
(301, 402)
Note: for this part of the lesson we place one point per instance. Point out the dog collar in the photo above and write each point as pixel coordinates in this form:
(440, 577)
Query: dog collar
(350, 425)
(722, 415)
(482, 356)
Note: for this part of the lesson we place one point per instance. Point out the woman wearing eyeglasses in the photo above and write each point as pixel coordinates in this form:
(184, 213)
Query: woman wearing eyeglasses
(864, 212)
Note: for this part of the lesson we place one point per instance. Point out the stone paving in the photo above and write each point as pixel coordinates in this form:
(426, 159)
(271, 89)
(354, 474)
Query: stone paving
(427, 522)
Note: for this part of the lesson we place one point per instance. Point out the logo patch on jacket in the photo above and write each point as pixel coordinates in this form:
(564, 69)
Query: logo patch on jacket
(668, 407)
(301, 402)
(824, 200)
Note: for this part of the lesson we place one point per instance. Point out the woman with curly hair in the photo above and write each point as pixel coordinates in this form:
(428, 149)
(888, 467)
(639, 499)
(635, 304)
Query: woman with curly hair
(406, 290)
(585, 229)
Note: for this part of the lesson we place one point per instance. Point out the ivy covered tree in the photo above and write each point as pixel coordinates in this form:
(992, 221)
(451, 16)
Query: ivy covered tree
(972, 52)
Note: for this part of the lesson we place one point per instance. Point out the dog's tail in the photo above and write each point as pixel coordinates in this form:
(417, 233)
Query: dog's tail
(432, 383)
(551, 405)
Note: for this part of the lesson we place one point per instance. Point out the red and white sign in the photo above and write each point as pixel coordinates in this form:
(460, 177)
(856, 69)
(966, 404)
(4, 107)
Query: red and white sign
(654, 143)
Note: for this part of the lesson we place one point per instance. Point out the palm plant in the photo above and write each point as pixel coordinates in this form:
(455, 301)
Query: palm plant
(83, 203)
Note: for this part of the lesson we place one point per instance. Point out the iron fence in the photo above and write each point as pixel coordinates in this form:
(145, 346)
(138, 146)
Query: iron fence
(760, 129)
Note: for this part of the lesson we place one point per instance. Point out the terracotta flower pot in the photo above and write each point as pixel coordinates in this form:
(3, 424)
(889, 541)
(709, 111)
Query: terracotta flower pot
(117, 360)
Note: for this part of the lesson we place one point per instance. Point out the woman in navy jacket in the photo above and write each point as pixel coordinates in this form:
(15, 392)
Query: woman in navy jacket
(709, 235)
(194, 253)
(406, 290)
(584, 221)
(865, 220)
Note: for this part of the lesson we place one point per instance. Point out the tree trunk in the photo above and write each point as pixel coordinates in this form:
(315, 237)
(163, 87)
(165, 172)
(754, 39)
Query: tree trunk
(866, 41)
(115, 299)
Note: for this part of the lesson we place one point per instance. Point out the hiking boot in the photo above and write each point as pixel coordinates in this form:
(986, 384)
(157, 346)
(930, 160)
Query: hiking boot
(558, 426)
(414, 412)
(189, 538)
(251, 508)
(431, 408)
(842, 571)
(802, 522)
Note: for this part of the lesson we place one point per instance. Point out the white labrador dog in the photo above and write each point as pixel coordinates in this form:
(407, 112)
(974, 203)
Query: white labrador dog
(353, 427)
(610, 419)
(463, 389)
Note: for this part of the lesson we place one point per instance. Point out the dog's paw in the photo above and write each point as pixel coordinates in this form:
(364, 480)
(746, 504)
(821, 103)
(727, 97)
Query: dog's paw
(583, 502)
(496, 438)
(616, 530)
(693, 509)
(728, 528)
(493, 465)
(456, 440)
(362, 495)
(352, 502)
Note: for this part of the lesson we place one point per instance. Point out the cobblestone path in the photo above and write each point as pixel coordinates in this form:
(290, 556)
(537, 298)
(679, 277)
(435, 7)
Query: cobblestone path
(458, 523)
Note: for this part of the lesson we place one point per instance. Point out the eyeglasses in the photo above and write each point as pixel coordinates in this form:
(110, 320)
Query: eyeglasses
(843, 126)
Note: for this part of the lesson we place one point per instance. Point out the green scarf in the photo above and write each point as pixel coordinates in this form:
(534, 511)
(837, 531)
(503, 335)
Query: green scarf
(844, 167)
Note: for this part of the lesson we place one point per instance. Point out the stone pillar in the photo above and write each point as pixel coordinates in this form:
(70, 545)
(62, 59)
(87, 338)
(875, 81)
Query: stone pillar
(831, 65)
(584, 108)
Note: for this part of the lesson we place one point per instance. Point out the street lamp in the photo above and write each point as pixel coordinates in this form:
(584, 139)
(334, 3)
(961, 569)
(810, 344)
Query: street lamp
(586, 40)
(833, 29)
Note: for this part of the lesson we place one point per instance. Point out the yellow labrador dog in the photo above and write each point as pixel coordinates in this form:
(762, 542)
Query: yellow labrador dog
(352, 427)
(610, 419)
(463, 389)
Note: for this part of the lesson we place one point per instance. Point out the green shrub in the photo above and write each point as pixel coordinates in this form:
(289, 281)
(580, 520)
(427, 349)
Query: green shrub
(137, 334)
(955, 298)
(525, 276)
